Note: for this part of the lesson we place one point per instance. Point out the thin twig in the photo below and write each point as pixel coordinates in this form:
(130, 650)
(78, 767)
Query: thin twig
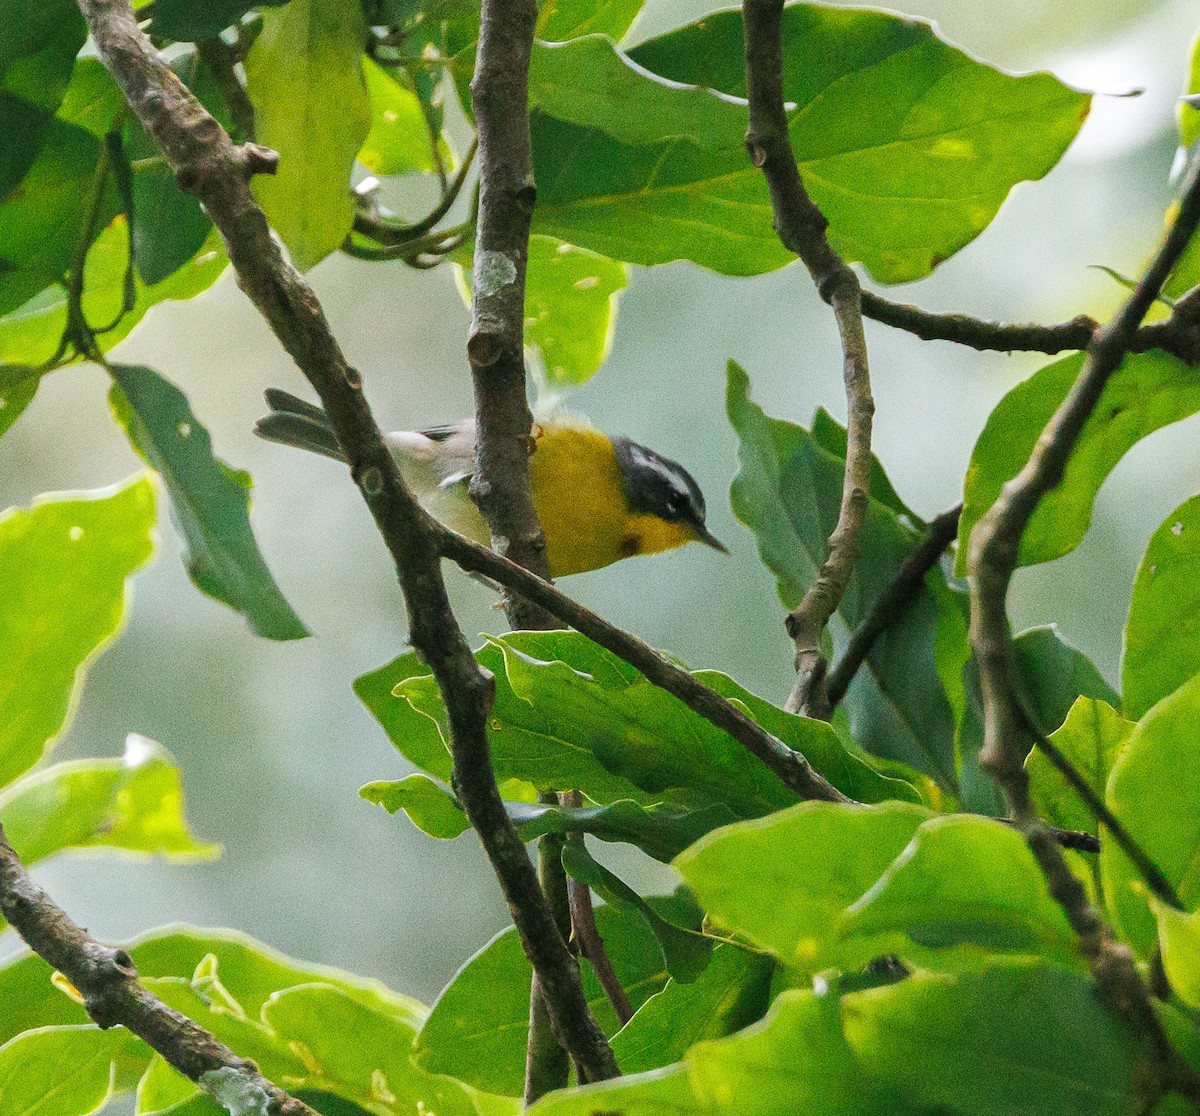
(207, 164)
(801, 228)
(435, 134)
(993, 551)
(1149, 871)
(1178, 335)
(587, 934)
(886, 609)
(391, 234)
(107, 981)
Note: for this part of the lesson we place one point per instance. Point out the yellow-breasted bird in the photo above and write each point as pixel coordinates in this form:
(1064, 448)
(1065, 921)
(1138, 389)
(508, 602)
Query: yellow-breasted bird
(599, 499)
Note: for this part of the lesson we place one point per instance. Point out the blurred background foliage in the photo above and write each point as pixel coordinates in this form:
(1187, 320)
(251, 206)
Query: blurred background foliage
(271, 740)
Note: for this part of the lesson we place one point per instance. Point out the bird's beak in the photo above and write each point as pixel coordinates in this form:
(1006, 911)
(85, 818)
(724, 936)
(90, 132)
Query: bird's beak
(706, 536)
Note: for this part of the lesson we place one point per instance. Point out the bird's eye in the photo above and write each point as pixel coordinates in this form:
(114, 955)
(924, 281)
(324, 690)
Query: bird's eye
(675, 503)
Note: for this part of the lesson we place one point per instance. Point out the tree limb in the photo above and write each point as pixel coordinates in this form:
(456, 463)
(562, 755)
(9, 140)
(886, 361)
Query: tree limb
(107, 981)
(207, 164)
(1179, 335)
(496, 345)
(993, 554)
(801, 227)
(791, 767)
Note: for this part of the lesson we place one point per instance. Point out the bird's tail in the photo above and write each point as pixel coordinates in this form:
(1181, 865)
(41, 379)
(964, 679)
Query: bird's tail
(293, 422)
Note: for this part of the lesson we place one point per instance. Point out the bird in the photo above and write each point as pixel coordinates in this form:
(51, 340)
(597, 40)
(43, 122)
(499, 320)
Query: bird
(599, 498)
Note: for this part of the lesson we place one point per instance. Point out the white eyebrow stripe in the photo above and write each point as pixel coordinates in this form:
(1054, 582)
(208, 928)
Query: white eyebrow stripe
(657, 465)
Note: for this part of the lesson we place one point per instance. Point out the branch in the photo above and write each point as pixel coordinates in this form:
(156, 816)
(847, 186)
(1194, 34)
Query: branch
(791, 767)
(207, 164)
(1178, 335)
(108, 982)
(992, 559)
(801, 228)
(496, 345)
(888, 606)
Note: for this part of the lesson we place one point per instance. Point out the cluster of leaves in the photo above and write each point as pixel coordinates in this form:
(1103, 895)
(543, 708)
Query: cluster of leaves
(759, 984)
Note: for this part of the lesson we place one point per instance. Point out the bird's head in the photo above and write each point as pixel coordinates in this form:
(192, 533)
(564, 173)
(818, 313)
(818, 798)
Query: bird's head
(665, 503)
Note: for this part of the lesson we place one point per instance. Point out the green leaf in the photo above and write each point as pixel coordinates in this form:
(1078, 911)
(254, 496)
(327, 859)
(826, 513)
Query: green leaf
(907, 145)
(59, 1071)
(432, 808)
(652, 204)
(1149, 391)
(685, 952)
(1189, 115)
(559, 20)
(849, 771)
(304, 78)
(210, 502)
(417, 734)
(134, 804)
(93, 100)
(1179, 942)
(623, 725)
(731, 993)
(590, 83)
(1053, 675)
(63, 569)
(831, 435)
(23, 124)
(1090, 738)
(188, 21)
(29, 1000)
(38, 49)
(359, 1052)
(1015, 1038)
(478, 1028)
(1154, 790)
(14, 400)
(788, 492)
(796, 1060)
(31, 334)
(784, 881)
(1161, 646)
(658, 1093)
(659, 831)
(43, 221)
(162, 1086)
(398, 141)
(571, 298)
(965, 879)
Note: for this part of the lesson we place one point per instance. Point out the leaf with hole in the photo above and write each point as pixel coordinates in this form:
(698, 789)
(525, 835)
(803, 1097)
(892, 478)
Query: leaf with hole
(64, 567)
(1149, 391)
(210, 501)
